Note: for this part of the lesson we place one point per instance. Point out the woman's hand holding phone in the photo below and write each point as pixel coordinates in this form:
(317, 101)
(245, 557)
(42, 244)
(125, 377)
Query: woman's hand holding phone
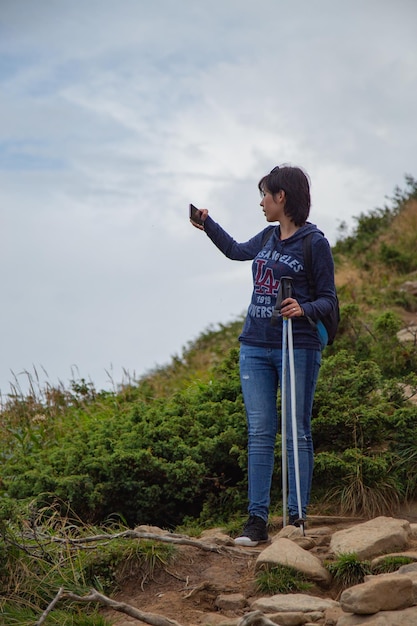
(198, 216)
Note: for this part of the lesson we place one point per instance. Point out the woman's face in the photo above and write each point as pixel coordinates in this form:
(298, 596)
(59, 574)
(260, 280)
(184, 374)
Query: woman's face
(273, 206)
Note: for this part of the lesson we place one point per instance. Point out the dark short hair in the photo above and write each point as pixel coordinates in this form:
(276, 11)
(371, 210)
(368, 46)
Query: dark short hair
(294, 181)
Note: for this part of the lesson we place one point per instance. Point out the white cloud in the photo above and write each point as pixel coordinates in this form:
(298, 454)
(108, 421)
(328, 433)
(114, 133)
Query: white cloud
(114, 117)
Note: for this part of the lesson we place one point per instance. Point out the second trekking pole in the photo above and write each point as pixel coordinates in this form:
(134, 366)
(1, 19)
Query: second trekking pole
(288, 359)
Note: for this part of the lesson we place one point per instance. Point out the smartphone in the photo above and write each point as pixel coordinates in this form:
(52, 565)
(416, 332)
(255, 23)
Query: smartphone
(195, 215)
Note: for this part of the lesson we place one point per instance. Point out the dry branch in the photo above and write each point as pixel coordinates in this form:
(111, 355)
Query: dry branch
(168, 538)
(256, 618)
(122, 607)
(50, 607)
(201, 587)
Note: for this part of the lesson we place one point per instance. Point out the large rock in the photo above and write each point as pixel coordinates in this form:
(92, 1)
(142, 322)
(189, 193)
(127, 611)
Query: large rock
(292, 602)
(377, 536)
(230, 601)
(410, 286)
(381, 593)
(286, 552)
(410, 554)
(295, 618)
(410, 573)
(407, 334)
(408, 617)
(217, 536)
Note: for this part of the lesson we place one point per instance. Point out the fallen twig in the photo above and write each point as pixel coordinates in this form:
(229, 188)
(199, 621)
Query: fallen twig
(168, 538)
(122, 607)
(201, 587)
(255, 618)
(50, 607)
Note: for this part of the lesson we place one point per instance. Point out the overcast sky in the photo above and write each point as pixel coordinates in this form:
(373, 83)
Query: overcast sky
(115, 115)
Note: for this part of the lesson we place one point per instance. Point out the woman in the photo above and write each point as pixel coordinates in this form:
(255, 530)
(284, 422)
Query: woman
(277, 251)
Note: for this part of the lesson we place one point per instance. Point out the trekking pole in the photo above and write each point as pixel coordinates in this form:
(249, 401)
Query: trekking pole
(288, 345)
(284, 421)
(276, 316)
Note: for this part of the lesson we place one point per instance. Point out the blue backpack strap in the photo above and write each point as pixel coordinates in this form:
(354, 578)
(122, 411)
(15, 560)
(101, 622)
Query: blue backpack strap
(267, 236)
(327, 327)
(308, 262)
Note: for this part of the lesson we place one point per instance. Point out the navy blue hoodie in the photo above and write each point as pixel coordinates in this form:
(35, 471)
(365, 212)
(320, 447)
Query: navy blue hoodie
(272, 261)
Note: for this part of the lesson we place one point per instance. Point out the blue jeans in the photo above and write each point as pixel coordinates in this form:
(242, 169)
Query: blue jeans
(260, 375)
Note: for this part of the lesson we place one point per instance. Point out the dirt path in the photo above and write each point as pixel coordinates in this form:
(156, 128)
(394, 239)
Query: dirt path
(186, 590)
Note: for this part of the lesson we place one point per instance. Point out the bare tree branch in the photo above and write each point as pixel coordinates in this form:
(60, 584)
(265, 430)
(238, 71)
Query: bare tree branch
(255, 618)
(50, 607)
(168, 538)
(122, 607)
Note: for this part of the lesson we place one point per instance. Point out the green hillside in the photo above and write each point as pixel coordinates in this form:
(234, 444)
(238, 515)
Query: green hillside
(172, 445)
(170, 449)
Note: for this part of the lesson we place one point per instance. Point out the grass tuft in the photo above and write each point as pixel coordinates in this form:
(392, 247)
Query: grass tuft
(348, 570)
(281, 579)
(390, 564)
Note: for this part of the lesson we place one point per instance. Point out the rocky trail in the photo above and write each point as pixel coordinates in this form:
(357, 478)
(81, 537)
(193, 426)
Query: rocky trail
(216, 585)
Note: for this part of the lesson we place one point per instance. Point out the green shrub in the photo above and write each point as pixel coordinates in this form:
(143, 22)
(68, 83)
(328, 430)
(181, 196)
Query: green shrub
(397, 258)
(348, 410)
(369, 488)
(166, 460)
(153, 462)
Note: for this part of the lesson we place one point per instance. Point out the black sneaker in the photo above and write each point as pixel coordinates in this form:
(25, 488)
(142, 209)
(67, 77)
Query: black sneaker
(254, 532)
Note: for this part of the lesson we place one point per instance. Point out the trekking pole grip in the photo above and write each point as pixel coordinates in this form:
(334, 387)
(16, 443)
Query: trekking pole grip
(286, 285)
(284, 291)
